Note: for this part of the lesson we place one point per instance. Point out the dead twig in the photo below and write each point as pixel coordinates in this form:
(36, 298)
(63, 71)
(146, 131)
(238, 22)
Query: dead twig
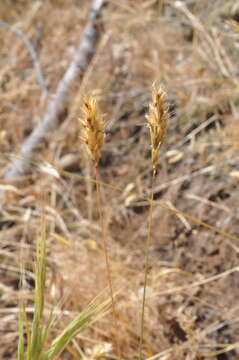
(32, 52)
(49, 121)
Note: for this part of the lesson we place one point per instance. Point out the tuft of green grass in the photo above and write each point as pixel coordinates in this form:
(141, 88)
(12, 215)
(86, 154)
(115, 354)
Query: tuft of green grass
(37, 335)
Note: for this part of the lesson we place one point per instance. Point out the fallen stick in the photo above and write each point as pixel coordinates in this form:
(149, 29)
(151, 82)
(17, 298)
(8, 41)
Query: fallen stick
(32, 53)
(49, 121)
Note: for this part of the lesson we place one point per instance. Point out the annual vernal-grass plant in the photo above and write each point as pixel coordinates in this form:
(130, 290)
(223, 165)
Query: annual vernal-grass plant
(157, 119)
(92, 135)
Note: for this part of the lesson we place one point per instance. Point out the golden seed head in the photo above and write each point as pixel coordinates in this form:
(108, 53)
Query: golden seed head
(92, 128)
(157, 119)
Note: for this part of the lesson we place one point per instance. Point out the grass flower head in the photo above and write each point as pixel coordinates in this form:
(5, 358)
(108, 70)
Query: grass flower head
(157, 119)
(92, 133)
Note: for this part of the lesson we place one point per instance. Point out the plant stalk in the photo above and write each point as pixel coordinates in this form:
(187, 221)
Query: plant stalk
(146, 259)
(106, 252)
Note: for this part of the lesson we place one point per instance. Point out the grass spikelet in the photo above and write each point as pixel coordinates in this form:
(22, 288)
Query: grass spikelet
(157, 122)
(92, 123)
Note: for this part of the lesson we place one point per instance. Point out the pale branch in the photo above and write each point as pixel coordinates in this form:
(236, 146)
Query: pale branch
(32, 52)
(49, 121)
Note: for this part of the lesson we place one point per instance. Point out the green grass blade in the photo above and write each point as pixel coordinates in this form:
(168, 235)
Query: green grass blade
(20, 350)
(40, 274)
(78, 324)
(47, 329)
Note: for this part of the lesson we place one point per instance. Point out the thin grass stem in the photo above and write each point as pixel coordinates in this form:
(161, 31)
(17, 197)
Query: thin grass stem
(106, 252)
(146, 259)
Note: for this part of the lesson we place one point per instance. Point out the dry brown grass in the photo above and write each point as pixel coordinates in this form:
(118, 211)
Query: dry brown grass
(195, 54)
(157, 121)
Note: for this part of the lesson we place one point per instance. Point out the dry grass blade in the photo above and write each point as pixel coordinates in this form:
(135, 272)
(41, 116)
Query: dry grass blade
(200, 222)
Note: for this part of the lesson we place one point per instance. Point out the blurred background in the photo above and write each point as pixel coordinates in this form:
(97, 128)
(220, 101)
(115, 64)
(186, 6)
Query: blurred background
(191, 48)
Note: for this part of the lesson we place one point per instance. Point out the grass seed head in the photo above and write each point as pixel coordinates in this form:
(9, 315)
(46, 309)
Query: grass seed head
(157, 119)
(92, 128)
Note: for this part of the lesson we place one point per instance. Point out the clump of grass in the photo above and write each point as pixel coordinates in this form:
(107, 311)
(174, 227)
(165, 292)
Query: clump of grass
(37, 335)
(157, 119)
(92, 135)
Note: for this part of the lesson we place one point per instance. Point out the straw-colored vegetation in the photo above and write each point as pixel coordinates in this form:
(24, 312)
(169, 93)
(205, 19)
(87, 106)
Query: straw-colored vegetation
(157, 122)
(92, 128)
(183, 220)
